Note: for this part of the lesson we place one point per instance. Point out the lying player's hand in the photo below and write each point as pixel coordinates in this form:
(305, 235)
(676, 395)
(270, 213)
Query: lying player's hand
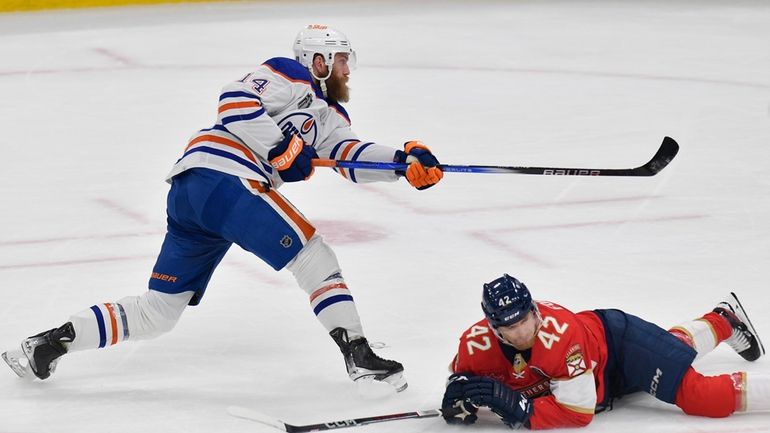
(454, 408)
(422, 172)
(508, 404)
(293, 158)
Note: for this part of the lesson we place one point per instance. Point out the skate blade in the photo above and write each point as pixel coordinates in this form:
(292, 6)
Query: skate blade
(18, 363)
(397, 381)
(747, 321)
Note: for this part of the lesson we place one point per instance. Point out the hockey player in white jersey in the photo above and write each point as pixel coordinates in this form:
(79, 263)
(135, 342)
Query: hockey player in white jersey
(270, 125)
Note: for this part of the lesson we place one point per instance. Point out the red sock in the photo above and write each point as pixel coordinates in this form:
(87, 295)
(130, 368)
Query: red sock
(711, 396)
(721, 326)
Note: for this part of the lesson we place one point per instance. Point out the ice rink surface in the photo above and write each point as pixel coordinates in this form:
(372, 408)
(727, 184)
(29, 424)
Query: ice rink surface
(97, 105)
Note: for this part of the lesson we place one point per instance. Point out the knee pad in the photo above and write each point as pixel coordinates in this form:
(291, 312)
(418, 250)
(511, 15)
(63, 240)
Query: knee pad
(153, 313)
(132, 317)
(314, 264)
(318, 274)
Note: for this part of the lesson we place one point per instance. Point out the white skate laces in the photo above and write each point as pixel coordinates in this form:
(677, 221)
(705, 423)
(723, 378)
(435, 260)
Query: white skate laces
(738, 341)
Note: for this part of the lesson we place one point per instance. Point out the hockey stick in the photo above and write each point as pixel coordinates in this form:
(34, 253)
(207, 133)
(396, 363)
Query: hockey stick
(667, 151)
(252, 415)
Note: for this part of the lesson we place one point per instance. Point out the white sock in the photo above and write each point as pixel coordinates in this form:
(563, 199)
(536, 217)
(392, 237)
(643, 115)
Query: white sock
(132, 317)
(757, 392)
(318, 273)
(699, 334)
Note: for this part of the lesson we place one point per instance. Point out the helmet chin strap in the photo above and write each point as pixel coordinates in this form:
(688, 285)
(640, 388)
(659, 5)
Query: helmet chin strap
(321, 81)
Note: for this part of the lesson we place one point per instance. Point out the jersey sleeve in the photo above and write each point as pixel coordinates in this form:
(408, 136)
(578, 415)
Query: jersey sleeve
(343, 144)
(244, 114)
(247, 106)
(570, 404)
(566, 361)
(476, 353)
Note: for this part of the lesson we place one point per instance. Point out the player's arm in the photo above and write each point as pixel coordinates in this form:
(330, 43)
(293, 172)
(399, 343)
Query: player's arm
(571, 404)
(422, 172)
(244, 113)
(564, 359)
(244, 108)
(473, 358)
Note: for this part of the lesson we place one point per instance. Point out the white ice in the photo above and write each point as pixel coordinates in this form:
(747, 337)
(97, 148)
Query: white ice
(97, 105)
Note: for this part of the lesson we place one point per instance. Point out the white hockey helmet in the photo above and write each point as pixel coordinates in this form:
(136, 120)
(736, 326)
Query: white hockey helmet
(321, 39)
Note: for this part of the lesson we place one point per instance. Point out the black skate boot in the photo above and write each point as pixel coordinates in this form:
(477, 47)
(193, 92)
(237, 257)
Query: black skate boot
(744, 340)
(363, 364)
(42, 352)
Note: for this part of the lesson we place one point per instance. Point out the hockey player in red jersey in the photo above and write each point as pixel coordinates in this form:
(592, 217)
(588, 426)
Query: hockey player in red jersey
(538, 365)
(270, 125)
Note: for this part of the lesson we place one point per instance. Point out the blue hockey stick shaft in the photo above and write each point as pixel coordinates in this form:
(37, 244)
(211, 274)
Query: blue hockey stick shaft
(667, 151)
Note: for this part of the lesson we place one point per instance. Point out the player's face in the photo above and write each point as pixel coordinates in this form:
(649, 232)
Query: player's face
(521, 335)
(337, 84)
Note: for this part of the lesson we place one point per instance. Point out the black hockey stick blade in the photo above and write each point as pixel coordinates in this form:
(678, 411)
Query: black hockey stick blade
(665, 154)
(252, 415)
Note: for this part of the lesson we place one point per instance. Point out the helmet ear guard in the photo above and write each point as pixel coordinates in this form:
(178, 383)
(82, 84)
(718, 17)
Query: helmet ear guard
(324, 40)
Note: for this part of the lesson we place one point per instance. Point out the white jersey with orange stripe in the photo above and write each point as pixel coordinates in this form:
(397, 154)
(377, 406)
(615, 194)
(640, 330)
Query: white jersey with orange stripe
(254, 113)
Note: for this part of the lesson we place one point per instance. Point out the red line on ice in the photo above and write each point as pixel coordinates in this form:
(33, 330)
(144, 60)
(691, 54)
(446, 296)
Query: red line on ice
(124, 60)
(77, 238)
(122, 210)
(600, 223)
(71, 262)
(489, 239)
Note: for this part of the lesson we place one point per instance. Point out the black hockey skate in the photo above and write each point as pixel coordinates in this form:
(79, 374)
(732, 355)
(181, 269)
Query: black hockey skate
(363, 364)
(42, 352)
(744, 340)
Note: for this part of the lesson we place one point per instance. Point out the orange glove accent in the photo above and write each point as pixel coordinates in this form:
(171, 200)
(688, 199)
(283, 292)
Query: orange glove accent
(293, 159)
(409, 145)
(422, 171)
(293, 146)
(420, 177)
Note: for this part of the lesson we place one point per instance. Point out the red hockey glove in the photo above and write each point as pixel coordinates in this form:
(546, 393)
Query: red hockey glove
(292, 158)
(422, 172)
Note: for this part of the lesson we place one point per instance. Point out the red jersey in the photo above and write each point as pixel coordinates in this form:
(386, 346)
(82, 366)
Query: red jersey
(563, 372)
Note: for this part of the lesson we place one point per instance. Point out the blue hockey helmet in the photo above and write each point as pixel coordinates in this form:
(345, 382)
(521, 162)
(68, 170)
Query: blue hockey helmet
(506, 301)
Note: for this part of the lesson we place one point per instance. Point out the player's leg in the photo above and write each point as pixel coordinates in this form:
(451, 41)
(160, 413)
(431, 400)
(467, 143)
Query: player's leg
(653, 360)
(318, 274)
(644, 357)
(184, 266)
(100, 326)
(269, 226)
(728, 322)
(720, 396)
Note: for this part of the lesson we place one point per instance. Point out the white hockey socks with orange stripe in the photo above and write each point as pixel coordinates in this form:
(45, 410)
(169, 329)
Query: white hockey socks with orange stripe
(318, 273)
(133, 317)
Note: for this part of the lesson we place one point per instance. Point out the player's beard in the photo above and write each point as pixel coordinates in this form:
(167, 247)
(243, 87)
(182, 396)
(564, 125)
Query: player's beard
(337, 88)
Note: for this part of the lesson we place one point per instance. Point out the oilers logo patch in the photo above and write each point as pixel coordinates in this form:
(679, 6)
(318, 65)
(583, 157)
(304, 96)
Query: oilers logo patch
(576, 364)
(307, 126)
(302, 124)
